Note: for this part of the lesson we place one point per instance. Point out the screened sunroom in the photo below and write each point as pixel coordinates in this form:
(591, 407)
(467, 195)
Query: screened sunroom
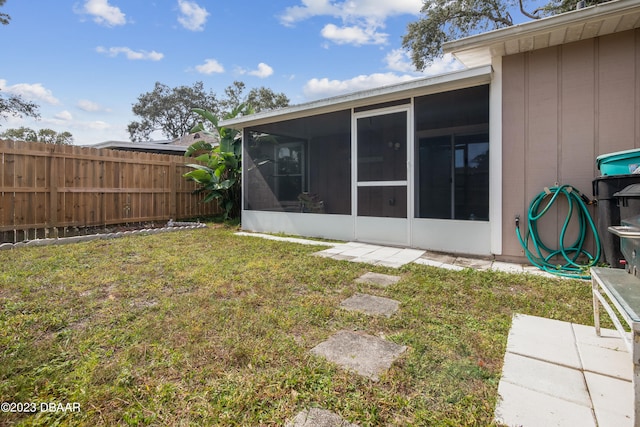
(406, 165)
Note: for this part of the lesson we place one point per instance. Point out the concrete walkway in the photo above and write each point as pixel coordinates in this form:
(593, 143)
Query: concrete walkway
(554, 374)
(395, 257)
(562, 374)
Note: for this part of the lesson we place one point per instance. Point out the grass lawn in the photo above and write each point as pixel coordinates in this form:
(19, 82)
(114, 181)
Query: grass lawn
(203, 327)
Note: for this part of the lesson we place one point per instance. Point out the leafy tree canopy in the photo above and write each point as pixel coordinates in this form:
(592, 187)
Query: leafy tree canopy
(258, 99)
(47, 136)
(15, 105)
(446, 20)
(4, 18)
(170, 110)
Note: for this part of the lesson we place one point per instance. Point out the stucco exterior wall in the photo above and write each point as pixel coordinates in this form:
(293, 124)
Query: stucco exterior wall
(562, 107)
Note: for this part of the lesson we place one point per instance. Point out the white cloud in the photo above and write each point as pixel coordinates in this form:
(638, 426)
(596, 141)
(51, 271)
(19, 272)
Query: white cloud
(353, 35)
(324, 88)
(84, 132)
(103, 13)
(446, 64)
(31, 92)
(397, 60)
(64, 116)
(361, 19)
(89, 106)
(400, 60)
(192, 16)
(263, 71)
(308, 9)
(349, 10)
(130, 53)
(210, 66)
(97, 125)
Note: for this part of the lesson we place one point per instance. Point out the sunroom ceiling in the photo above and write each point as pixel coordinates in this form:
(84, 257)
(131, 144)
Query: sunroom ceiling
(590, 22)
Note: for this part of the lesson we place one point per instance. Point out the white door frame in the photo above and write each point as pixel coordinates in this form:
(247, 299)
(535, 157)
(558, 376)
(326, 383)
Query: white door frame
(393, 231)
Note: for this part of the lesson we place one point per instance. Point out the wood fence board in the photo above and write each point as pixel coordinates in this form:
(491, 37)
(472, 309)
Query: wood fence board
(51, 186)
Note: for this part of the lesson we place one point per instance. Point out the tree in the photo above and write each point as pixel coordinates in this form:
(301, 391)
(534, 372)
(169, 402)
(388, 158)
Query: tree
(47, 136)
(219, 176)
(446, 20)
(170, 111)
(14, 105)
(260, 99)
(4, 18)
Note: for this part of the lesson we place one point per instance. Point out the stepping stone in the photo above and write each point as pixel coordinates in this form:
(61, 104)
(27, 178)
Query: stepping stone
(364, 354)
(478, 264)
(382, 280)
(316, 417)
(369, 304)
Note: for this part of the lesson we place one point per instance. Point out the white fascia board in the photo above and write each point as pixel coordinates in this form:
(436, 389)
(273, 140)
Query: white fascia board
(476, 50)
(419, 86)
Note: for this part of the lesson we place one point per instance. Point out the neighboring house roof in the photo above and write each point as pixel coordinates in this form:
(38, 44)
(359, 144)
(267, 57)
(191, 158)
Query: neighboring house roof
(580, 24)
(176, 146)
(190, 138)
(158, 147)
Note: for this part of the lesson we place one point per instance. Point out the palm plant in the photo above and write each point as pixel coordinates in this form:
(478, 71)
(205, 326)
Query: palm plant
(220, 169)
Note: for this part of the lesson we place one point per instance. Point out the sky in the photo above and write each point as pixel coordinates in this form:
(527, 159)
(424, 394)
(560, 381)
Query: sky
(86, 62)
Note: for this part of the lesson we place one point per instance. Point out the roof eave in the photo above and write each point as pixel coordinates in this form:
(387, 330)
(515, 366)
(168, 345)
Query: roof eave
(593, 21)
(450, 81)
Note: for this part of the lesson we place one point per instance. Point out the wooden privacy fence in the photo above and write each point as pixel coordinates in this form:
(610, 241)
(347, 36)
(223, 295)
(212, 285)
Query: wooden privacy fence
(46, 188)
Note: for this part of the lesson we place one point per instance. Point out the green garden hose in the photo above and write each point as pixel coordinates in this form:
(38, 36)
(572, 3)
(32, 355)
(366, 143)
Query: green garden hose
(542, 256)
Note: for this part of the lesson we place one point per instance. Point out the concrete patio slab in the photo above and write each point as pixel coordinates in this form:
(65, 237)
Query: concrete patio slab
(436, 256)
(522, 407)
(287, 239)
(360, 251)
(452, 267)
(544, 339)
(605, 354)
(542, 387)
(316, 417)
(365, 260)
(507, 267)
(609, 338)
(372, 254)
(600, 360)
(388, 263)
(438, 264)
(382, 280)
(478, 264)
(429, 262)
(364, 354)
(382, 253)
(548, 378)
(612, 398)
(370, 304)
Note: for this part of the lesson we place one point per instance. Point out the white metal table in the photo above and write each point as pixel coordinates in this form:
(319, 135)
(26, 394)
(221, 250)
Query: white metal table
(623, 293)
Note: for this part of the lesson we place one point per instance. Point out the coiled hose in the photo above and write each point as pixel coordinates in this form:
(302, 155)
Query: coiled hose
(541, 255)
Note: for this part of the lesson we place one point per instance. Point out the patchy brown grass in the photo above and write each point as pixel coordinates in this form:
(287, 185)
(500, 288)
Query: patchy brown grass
(203, 327)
